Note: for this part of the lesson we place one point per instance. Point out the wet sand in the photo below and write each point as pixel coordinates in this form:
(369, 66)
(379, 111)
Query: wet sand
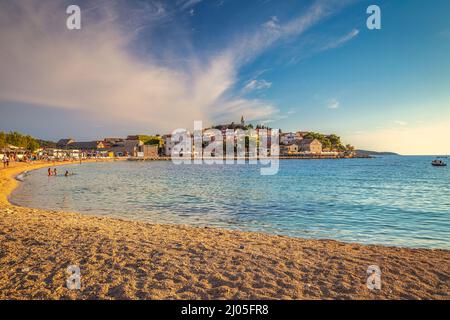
(121, 259)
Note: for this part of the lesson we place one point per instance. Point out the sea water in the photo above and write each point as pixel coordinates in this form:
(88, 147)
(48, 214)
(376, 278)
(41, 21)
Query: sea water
(392, 200)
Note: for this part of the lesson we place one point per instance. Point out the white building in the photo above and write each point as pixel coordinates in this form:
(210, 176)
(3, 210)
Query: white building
(168, 144)
(287, 138)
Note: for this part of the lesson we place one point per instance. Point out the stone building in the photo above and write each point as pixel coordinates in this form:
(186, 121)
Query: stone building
(313, 146)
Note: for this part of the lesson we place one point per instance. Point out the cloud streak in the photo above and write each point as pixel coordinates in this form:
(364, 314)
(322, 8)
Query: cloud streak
(250, 45)
(333, 104)
(186, 4)
(257, 85)
(94, 71)
(341, 41)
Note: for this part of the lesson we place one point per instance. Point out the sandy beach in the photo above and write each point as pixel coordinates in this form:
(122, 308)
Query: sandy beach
(122, 259)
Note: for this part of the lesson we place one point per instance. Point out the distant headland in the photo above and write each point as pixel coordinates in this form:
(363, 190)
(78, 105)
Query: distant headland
(376, 153)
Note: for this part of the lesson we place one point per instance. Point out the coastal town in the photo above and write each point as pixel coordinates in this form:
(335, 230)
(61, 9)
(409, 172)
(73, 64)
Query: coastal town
(298, 144)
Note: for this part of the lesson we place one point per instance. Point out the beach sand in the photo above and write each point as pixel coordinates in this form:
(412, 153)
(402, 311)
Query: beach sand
(134, 260)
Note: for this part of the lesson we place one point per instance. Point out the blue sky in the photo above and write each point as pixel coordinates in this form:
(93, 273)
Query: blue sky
(154, 66)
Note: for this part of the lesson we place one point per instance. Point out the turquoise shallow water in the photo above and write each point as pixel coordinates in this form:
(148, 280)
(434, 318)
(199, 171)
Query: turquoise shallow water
(399, 201)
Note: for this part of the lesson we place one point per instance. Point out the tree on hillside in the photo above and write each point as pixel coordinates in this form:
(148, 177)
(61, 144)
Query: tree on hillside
(349, 147)
(154, 141)
(331, 142)
(31, 144)
(19, 140)
(336, 142)
(2, 139)
(326, 143)
(151, 140)
(334, 139)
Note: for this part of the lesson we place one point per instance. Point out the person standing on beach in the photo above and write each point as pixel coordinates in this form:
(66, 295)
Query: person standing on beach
(4, 161)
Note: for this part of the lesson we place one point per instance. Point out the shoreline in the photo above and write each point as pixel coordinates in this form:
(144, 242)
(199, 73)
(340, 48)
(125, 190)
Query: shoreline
(125, 259)
(57, 164)
(281, 157)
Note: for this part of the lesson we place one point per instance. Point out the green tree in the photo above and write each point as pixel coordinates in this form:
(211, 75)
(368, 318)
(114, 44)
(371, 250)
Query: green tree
(31, 144)
(349, 147)
(2, 139)
(336, 142)
(326, 143)
(329, 142)
(334, 139)
(151, 140)
(19, 140)
(154, 141)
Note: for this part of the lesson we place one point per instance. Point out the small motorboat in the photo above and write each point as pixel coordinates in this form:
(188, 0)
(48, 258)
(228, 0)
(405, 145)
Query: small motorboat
(438, 163)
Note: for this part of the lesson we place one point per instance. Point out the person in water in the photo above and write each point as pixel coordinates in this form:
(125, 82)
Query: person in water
(49, 172)
(55, 173)
(66, 174)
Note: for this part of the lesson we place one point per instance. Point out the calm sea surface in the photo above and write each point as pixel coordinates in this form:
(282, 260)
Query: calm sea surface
(399, 201)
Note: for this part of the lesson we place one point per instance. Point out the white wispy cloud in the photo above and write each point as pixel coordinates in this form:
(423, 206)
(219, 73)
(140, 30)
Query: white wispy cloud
(257, 85)
(341, 41)
(333, 104)
(291, 111)
(186, 4)
(250, 45)
(272, 24)
(94, 71)
(247, 46)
